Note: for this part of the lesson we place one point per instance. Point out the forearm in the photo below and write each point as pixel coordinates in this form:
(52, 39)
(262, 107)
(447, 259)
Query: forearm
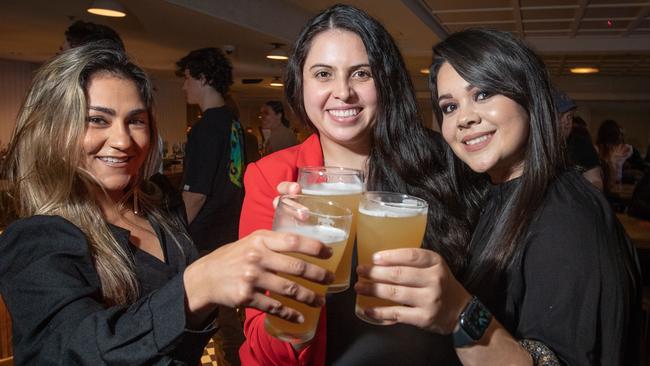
(193, 203)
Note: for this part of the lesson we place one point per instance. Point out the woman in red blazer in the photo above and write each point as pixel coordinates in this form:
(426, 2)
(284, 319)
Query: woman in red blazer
(346, 80)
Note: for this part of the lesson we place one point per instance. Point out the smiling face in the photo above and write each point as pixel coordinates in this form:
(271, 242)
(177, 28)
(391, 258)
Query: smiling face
(338, 88)
(116, 140)
(488, 132)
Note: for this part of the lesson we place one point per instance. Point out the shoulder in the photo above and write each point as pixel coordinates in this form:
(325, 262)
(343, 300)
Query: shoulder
(283, 164)
(574, 220)
(31, 239)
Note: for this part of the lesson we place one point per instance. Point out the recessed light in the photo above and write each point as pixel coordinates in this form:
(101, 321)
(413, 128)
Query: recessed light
(584, 70)
(425, 71)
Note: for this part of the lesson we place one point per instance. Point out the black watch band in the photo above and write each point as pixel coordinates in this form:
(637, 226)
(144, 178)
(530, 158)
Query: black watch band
(472, 323)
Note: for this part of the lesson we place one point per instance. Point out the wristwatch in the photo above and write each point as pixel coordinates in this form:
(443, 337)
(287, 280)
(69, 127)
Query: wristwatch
(472, 323)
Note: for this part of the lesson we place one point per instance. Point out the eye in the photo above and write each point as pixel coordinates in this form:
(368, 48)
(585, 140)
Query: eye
(482, 95)
(322, 75)
(96, 120)
(139, 120)
(448, 108)
(362, 74)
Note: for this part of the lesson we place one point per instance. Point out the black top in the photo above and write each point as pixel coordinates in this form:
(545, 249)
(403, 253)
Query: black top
(52, 291)
(213, 166)
(573, 288)
(351, 341)
(582, 153)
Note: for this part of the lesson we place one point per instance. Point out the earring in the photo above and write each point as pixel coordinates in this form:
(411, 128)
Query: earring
(136, 205)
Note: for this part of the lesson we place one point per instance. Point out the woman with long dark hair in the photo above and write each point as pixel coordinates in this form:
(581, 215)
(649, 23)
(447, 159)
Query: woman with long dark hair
(346, 79)
(97, 270)
(551, 277)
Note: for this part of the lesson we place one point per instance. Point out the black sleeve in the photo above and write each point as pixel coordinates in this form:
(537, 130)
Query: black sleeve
(575, 289)
(52, 291)
(207, 145)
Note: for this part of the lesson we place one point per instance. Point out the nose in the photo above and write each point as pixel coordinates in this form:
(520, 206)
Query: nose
(119, 136)
(467, 117)
(343, 89)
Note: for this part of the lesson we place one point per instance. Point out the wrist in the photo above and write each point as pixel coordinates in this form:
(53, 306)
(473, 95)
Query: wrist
(472, 323)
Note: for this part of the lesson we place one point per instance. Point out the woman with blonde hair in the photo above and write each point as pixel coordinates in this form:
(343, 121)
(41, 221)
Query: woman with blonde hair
(97, 270)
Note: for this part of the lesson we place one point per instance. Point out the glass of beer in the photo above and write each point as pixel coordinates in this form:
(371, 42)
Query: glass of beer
(387, 220)
(343, 186)
(319, 219)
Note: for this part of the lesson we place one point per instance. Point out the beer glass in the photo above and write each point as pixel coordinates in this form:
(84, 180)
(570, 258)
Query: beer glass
(343, 186)
(387, 221)
(322, 220)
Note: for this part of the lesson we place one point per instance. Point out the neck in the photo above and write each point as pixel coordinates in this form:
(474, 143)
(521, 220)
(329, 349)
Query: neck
(211, 99)
(354, 156)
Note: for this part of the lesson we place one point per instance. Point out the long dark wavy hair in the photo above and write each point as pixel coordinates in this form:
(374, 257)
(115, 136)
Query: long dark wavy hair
(404, 155)
(499, 63)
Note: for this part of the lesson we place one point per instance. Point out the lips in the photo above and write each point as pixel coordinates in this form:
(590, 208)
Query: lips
(477, 141)
(114, 161)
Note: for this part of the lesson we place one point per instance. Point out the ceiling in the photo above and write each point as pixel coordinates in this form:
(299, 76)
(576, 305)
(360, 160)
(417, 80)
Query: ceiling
(611, 35)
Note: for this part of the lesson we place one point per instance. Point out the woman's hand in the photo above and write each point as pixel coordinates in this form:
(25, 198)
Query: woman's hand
(421, 281)
(239, 274)
(286, 188)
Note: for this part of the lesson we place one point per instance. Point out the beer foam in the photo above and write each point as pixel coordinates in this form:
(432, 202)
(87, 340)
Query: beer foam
(333, 189)
(325, 234)
(394, 210)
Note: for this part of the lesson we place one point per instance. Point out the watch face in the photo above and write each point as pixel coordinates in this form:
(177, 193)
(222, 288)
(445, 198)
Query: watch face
(475, 320)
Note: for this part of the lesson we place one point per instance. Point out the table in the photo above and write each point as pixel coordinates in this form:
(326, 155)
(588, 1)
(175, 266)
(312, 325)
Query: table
(638, 230)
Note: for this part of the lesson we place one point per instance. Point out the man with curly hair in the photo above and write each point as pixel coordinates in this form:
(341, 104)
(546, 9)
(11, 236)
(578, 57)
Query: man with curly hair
(213, 169)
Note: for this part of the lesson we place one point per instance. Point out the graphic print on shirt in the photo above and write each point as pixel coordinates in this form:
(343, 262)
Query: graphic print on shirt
(236, 165)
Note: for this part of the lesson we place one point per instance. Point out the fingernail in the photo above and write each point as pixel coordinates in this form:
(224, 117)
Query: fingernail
(377, 257)
(301, 319)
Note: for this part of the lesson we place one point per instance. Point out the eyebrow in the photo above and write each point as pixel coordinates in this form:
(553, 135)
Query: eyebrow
(331, 67)
(112, 112)
(448, 96)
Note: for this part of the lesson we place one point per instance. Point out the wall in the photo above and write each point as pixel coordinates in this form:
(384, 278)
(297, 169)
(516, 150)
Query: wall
(170, 107)
(15, 78)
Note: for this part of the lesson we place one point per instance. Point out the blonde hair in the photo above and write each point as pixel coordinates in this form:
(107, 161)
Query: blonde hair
(44, 161)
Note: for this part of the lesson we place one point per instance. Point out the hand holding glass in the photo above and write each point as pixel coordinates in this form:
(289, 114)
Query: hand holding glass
(344, 187)
(387, 221)
(324, 221)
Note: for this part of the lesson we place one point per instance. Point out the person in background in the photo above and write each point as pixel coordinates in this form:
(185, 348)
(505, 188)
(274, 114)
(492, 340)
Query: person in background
(97, 270)
(280, 136)
(613, 152)
(347, 81)
(213, 169)
(581, 152)
(79, 33)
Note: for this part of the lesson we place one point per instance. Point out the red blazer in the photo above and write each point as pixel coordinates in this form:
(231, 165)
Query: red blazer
(260, 183)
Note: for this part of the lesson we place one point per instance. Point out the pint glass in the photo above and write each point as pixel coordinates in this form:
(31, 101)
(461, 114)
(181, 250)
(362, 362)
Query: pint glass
(387, 221)
(342, 186)
(324, 221)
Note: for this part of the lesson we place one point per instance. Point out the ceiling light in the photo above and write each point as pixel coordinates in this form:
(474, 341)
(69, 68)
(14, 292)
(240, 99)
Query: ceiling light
(107, 8)
(276, 82)
(277, 53)
(584, 70)
(425, 71)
